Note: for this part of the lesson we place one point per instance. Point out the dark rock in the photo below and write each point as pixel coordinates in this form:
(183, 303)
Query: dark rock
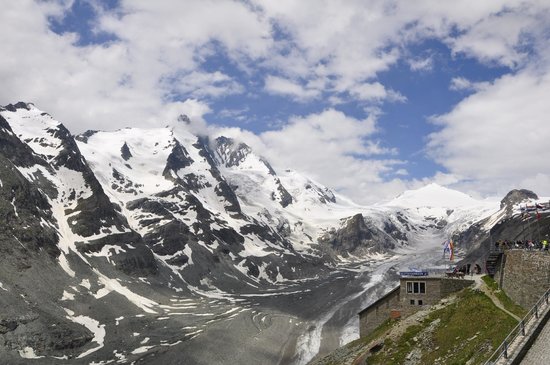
(18, 105)
(84, 136)
(356, 234)
(516, 196)
(178, 159)
(24, 227)
(125, 152)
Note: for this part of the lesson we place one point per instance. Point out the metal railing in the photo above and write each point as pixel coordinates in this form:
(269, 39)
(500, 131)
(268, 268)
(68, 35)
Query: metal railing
(503, 350)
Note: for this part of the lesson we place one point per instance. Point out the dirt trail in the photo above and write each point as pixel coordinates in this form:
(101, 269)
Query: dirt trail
(480, 284)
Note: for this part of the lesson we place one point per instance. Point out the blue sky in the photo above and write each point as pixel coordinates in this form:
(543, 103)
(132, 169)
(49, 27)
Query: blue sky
(368, 97)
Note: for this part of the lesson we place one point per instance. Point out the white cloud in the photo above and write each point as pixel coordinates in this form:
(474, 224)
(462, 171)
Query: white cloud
(375, 92)
(496, 38)
(203, 84)
(333, 148)
(281, 86)
(421, 64)
(498, 137)
(463, 84)
(124, 82)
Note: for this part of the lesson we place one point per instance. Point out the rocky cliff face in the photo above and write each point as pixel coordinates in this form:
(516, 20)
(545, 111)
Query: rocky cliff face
(358, 235)
(511, 223)
(517, 196)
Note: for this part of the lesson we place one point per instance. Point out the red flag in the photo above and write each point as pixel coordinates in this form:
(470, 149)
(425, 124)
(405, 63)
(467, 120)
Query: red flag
(538, 215)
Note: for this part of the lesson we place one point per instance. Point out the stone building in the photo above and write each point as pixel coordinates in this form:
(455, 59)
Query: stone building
(412, 294)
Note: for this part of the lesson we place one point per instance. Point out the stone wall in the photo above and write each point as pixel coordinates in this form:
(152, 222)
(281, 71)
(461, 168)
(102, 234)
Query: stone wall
(526, 276)
(378, 312)
(449, 286)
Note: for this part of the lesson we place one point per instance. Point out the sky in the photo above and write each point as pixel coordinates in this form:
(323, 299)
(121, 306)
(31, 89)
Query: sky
(367, 97)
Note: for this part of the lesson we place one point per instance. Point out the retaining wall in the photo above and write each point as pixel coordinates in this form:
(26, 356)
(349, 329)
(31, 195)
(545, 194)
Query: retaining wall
(525, 276)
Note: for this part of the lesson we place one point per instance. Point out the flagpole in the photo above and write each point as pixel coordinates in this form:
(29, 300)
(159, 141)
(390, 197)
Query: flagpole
(529, 226)
(523, 225)
(538, 224)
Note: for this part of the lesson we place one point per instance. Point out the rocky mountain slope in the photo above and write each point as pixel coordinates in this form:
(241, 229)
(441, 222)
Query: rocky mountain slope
(107, 235)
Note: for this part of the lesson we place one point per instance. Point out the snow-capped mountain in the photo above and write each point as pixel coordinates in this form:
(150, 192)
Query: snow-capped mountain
(108, 232)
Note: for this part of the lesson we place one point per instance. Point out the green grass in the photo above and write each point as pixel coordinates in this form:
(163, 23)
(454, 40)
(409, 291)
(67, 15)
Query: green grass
(503, 298)
(359, 346)
(378, 332)
(470, 328)
(399, 349)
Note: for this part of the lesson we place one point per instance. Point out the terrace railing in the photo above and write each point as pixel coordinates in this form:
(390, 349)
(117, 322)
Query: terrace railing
(518, 337)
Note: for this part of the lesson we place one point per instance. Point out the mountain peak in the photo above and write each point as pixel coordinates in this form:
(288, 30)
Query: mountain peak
(182, 118)
(19, 105)
(516, 196)
(433, 195)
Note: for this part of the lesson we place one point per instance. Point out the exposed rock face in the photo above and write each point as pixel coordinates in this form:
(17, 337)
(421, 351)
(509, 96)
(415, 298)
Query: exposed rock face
(89, 212)
(178, 159)
(516, 196)
(356, 235)
(231, 153)
(507, 225)
(23, 209)
(125, 152)
(239, 156)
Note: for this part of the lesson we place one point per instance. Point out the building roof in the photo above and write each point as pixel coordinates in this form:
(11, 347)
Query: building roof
(396, 289)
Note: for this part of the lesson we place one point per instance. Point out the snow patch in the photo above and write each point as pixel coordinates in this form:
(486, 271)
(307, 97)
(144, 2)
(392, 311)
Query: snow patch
(141, 350)
(67, 295)
(113, 285)
(91, 324)
(65, 265)
(28, 353)
(85, 283)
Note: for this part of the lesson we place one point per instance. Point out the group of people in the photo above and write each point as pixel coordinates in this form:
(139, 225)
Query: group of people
(467, 269)
(541, 245)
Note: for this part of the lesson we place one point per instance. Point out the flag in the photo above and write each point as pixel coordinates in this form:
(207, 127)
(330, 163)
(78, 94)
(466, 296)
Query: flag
(446, 248)
(538, 214)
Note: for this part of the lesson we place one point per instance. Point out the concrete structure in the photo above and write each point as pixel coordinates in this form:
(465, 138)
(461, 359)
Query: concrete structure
(412, 294)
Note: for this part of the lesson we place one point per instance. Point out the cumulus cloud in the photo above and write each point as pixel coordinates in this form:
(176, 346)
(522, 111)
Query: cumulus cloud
(153, 63)
(375, 92)
(282, 86)
(333, 148)
(463, 84)
(421, 64)
(498, 137)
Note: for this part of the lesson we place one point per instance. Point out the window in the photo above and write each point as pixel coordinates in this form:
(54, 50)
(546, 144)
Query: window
(416, 287)
(420, 302)
(412, 301)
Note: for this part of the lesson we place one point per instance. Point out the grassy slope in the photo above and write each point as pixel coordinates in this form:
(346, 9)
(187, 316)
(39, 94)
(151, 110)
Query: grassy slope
(503, 298)
(466, 331)
(469, 329)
